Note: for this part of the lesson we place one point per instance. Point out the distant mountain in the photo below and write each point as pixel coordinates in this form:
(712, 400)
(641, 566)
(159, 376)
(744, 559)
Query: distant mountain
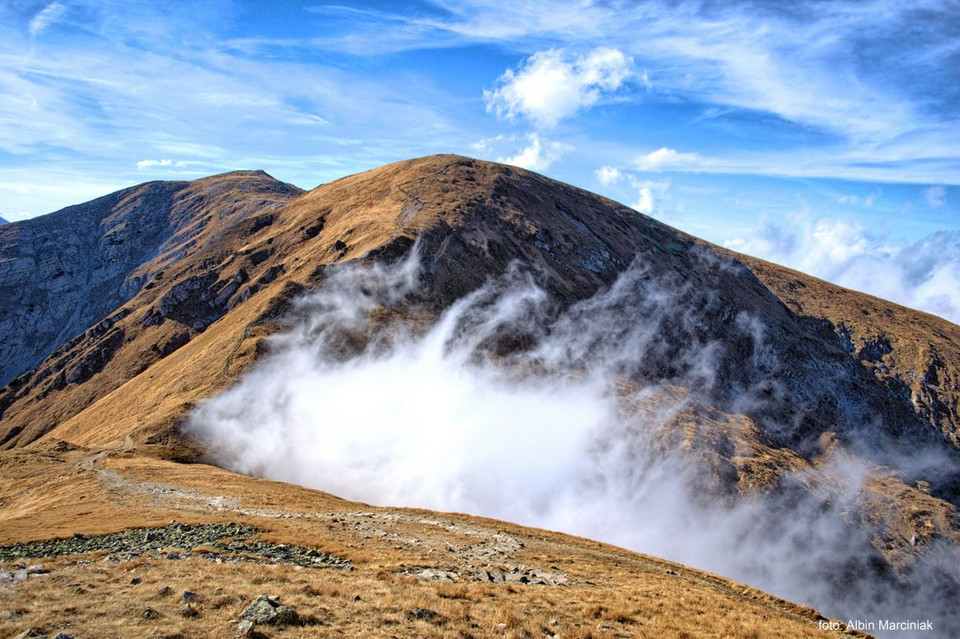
(68, 271)
(4, 221)
(122, 314)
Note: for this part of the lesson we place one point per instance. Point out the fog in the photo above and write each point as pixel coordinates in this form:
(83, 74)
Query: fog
(922, 274)
(508, 406)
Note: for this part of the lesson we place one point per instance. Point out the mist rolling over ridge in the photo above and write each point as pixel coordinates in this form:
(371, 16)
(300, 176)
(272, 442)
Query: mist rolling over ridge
(461, 335)
(632, 416)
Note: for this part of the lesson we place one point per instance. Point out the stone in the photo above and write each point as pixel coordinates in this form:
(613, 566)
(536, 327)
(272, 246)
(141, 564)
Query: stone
(264, 610)
(424, 614)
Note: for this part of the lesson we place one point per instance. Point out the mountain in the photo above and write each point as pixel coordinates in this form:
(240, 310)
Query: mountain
(64, 272)
(3, 221)
(68, 276)
(815, 413)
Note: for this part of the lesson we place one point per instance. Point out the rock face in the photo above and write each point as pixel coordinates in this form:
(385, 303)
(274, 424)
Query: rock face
(62, 273)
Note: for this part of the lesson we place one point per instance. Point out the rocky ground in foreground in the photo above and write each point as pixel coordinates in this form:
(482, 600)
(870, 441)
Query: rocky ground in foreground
(246, 557)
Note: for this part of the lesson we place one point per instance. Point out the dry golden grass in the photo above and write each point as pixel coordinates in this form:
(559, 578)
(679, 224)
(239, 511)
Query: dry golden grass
(610, 592)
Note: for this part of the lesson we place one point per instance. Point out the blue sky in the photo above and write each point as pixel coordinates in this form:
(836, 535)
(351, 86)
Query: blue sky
(822, 134)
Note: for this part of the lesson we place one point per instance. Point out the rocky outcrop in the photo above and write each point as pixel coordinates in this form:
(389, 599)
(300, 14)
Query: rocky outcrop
(63, 272)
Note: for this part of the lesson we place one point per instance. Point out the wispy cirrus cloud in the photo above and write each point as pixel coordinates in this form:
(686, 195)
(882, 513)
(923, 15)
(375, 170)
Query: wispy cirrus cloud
(859, 90)
(873, 84)
(936, 196)
(45, 17)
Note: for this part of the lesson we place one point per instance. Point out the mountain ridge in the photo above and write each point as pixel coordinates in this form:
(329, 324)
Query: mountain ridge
(103, 250)
(817, 362)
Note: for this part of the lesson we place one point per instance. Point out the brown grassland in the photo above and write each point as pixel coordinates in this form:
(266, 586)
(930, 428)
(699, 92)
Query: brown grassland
(597, 590)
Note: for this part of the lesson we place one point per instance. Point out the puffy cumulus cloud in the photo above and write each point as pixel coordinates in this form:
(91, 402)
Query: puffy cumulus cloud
(921, 274)
(647, 190)
(644, 202)
(552, 85)
(608, 175)
(45, 17)
(936, 196)
(664, 159)
(537, 154)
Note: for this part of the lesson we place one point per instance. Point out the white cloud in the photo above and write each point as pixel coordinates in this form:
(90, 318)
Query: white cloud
(45, 17)
(539, 154)
(552, 86)
(644, 202)
(921, 275)
(645, 78)
(144, 164)
(867, 201)
(936, 196)
(647, 190)
(664, 159)
(608, 175)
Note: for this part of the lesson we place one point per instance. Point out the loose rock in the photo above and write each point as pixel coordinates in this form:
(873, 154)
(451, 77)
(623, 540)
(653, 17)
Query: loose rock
(265, 610)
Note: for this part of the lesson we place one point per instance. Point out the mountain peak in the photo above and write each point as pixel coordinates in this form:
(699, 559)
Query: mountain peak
(762, 375)
(106, 250)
